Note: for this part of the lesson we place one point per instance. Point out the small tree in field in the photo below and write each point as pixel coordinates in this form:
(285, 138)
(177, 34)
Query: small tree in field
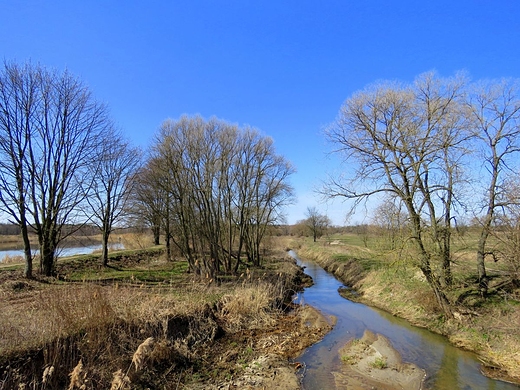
(317, 223)
(118, 162)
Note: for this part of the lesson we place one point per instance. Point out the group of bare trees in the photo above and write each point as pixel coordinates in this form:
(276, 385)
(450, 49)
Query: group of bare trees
(438, 148)
(210, 188)
(214, 189)
(59, 158)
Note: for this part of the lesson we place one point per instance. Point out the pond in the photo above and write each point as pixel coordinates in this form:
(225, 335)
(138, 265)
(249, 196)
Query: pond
(65, 251)
(446, 366)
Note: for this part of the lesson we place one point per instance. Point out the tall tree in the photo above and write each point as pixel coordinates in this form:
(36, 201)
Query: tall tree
(401, 139)
(224, 186)
(118, 162)
(494, 108)
(50, 129)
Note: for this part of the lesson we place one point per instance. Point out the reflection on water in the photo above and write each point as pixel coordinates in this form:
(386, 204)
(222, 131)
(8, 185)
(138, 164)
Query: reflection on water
(66, 251)
(447, 367)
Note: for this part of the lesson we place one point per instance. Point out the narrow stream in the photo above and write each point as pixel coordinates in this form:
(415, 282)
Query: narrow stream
(447, 367)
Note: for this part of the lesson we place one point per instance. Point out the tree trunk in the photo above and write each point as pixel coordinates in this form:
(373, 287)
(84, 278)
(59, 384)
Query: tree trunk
(104, 248)
(47, 253)
(27, 272)
(441, 298)
(156, 230)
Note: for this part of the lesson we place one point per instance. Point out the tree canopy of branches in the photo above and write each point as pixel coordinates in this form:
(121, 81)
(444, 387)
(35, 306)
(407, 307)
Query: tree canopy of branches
(118, 162)
(50, 128)
(221, 186)
(423, 145)
(494, 109)
(317, 223)
(408, 141)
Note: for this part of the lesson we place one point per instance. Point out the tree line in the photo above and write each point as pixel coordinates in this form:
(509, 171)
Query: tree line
(435, 150)
(211, 188)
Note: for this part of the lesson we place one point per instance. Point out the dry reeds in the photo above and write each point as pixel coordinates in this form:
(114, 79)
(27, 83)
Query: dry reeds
(248, 307)
(120, 381)
(143, 352)
(78, 377)
(12, 259)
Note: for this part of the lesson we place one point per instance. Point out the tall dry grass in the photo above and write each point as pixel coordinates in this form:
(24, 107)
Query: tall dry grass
(136, 240)
(252, 305)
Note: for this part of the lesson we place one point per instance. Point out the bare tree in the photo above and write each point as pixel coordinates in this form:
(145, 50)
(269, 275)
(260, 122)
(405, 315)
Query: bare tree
(494, 107)
(118, 162)
(317, 223)
(50, 127)
(223, 186)
(402, 139)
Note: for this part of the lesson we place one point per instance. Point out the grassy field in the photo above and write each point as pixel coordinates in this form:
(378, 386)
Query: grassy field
(388, 278)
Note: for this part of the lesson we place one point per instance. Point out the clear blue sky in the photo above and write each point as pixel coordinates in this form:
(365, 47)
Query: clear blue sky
(284, 67)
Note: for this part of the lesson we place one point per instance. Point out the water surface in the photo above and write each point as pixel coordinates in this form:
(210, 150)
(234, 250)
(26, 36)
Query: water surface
(447, 367)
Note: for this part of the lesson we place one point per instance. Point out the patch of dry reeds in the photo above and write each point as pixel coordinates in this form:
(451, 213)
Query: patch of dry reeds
(248, 307)
(12, 259)
(78, 377)
(136, 240)
(142, 353)
(120, 381)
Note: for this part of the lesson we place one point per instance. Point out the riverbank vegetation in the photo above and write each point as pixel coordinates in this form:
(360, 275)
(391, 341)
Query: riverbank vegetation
(388, 279)
(145, 322)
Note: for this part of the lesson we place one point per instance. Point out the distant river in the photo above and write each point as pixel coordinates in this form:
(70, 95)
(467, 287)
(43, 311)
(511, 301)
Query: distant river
(64, 252)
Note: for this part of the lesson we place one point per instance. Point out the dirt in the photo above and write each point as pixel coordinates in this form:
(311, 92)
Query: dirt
(268, 363)
(371, 362)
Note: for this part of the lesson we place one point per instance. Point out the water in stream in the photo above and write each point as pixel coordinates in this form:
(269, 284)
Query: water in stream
(447, 367)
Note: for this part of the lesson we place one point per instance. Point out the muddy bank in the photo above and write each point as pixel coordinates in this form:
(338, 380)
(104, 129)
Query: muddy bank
(480, 326)
(371, 362)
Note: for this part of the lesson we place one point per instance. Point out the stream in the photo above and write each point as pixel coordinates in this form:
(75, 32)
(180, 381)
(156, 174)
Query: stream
(446, 366)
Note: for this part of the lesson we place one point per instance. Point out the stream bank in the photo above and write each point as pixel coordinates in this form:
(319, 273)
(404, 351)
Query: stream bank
(491, 333)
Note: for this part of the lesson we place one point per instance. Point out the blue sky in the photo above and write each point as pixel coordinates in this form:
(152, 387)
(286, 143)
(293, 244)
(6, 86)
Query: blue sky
(284, 67)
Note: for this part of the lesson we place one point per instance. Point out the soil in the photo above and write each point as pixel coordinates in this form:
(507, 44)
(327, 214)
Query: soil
(371, 362)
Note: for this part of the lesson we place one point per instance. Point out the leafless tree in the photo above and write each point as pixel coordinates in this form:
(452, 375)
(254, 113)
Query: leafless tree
(317, 223)
(407, 141)
(223, 185)
(494, 108)
(114, 183)
(50, 127)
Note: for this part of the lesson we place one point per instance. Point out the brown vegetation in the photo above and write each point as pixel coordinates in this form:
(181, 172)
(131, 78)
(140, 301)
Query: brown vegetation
(113, 329)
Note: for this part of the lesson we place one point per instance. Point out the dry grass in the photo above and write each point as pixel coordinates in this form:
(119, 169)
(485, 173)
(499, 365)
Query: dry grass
(94, 330)
(249, 306)
(136, 240)
(12, 259)
(143, 352)
(78, 377)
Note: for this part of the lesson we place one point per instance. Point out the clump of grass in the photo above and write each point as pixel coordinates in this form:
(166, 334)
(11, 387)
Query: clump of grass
(379, 363)
(136, 240)
(249, 306)
(120, 381)
(47, 374)
(12, 259)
